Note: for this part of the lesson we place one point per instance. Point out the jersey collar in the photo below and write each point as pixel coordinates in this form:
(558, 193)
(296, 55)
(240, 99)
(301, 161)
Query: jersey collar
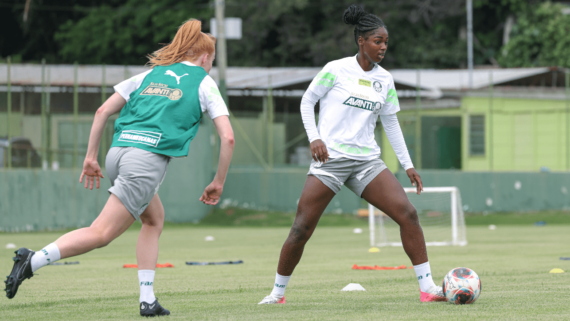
(358, 65)
(188, 63)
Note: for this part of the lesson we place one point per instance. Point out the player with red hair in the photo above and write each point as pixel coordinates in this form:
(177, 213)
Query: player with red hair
(160, 111)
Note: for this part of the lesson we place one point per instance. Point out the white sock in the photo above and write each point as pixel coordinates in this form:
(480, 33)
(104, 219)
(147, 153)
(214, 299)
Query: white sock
(146, 279)
(423, 272)
(280, 285)
(47, 255)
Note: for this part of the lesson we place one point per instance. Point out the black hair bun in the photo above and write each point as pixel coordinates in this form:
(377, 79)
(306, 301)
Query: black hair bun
(353, 14)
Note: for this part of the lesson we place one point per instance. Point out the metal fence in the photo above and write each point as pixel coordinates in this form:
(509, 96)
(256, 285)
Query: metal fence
(504, 128)
(494, 130)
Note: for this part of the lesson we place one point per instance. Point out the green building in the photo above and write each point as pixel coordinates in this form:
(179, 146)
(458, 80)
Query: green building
(516, 123)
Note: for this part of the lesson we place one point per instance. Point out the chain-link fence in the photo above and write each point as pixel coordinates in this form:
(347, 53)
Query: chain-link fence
(521, 125)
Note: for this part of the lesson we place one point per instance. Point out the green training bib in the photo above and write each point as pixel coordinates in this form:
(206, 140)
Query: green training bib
(162, 116)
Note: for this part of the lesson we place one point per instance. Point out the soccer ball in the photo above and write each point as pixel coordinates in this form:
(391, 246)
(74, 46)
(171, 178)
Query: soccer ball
(461, 286)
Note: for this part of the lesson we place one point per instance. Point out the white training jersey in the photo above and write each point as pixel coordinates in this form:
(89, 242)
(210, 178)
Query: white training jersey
(211, 101)
(351, 100)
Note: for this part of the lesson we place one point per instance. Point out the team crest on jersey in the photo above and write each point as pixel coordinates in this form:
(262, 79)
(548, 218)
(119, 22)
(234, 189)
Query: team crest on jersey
(156, 89)
(372, 106)
(377, 86)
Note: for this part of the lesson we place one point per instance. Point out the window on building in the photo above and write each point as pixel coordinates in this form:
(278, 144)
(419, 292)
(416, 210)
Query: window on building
(477, 135)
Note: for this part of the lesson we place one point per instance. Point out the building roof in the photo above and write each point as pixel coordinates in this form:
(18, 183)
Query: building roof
(242, 78)
(458, 79)
(92, 75)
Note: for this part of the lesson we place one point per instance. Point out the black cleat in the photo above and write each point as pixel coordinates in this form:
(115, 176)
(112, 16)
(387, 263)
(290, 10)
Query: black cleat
(153, 309)
(22, 270)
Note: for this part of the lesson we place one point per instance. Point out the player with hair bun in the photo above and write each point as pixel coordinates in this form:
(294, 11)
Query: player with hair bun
(160, 111)
(353, 93)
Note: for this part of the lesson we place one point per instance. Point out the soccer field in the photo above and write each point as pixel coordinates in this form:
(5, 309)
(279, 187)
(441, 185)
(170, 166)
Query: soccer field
(512, 261)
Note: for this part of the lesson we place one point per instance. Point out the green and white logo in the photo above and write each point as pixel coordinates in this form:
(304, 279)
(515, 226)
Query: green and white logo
(325, 79)
(146, 283)
(364, 82)
(214, 91)
(377, 86)
(373, 106)
(392, 97)
(140, 137)
(279, 285)
(351, 149)
(156, 89)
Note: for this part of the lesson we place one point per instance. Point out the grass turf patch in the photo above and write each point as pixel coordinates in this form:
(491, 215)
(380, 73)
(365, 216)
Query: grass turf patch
(549, 217)
(251, 218)
(512, 261)
(238, 217)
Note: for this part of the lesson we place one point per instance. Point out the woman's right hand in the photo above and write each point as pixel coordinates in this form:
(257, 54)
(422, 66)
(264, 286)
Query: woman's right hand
(319, 151)
(93, 172)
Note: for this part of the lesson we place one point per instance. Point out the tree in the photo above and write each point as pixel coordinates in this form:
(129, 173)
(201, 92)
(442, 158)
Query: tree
(126, 34)
(540, 37)
(311, 33)
(423, 33)
(32, 40)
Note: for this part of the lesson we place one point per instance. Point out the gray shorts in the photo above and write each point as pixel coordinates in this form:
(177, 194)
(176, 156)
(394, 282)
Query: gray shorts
(340, 171)
(135, 175)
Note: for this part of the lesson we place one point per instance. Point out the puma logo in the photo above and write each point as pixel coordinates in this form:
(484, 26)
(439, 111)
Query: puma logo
(171, 73)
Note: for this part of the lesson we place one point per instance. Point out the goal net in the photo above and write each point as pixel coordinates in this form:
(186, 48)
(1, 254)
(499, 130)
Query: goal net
(440, 213)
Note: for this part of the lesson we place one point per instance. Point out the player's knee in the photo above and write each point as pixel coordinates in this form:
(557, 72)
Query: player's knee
(299, 234)
(155, 224)
(411, 215)
(104, 237)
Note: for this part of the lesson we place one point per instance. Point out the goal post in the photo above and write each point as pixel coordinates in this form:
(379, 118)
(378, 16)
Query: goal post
(440, 213)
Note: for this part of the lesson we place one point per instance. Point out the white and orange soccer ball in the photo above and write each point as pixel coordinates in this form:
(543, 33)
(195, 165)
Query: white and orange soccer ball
(461, 286)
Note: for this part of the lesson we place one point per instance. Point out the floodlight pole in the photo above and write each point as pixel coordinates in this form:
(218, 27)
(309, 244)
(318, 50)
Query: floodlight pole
(470, 41)
(221, 54)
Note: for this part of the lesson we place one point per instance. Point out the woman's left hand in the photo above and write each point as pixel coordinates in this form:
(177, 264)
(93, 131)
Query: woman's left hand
(415, 179)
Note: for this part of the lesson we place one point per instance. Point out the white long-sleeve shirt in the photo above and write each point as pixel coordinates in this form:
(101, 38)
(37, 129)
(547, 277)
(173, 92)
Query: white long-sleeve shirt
(350, 102)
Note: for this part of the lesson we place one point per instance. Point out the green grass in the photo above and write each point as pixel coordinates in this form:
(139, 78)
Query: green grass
(512, 261)
(550, 217)
(247, 218)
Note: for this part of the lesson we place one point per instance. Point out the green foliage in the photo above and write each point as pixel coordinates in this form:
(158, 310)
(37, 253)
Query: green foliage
(126, 34)
(540, 37)
(423, 34)
(32, 40)
(275, 33)
(312, 33)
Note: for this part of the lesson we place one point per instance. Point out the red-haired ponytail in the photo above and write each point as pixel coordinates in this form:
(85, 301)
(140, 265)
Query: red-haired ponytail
(188, 44)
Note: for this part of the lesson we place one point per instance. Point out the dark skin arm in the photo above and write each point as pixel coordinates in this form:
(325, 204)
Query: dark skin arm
(415, 179)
